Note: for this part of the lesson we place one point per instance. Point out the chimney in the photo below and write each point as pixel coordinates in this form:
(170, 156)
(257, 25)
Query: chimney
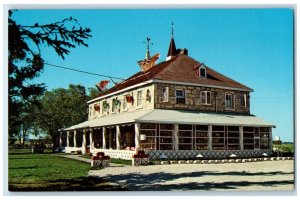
(184, 51)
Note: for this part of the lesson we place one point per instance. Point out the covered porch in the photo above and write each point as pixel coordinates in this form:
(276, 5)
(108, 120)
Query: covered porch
(172, 134)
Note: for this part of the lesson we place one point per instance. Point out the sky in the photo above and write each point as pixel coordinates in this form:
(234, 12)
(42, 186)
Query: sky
(251, 46)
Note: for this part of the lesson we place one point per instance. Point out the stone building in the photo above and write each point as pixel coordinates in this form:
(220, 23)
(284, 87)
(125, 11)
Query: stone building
(176, 109)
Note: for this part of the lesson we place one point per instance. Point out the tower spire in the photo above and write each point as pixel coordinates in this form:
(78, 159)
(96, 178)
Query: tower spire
(148, 47)
(172, 27)
(172, 46)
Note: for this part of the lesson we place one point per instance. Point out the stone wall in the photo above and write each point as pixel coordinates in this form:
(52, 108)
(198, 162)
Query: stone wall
(146, 103)
(192, 101)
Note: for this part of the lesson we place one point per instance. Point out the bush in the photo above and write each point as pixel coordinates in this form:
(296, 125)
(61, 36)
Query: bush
(79, 152)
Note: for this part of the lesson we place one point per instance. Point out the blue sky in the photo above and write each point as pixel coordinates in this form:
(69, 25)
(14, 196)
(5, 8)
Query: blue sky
(252, 46)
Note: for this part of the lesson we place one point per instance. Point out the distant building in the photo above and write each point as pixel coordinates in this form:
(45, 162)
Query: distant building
(177, 109)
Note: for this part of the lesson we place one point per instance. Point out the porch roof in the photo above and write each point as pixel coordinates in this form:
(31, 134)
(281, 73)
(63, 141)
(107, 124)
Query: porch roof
(121, 118)
(173, 116)
(190, 117)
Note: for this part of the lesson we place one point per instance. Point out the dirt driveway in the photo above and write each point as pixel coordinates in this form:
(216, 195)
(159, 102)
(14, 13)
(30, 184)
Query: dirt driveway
(254, 176)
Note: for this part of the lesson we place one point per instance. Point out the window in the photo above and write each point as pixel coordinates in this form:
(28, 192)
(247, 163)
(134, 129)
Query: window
(180, 96)
(205, 97)
(201, 137)
(218, 138)
(264, 138)
(202, 71)
(139, 98)
(90, 110)
(124, 103)
(228, 101)
(248, 138)
(113, 108)
(185, 137)
(165, 94)
(233, 139)
(166, 136)
(150, 131)
(243, 100)
(105, 107)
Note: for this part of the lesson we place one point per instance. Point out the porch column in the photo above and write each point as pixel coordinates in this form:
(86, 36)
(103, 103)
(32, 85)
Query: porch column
(110, 137)
(68, 140)
(176, 137)
(118, 137)
(60, 139)
(74, 138)
(209, 137)
(270, 138)
(241, 138)
(84, 142)
(92, 145)
(137, 136)
(103, 138)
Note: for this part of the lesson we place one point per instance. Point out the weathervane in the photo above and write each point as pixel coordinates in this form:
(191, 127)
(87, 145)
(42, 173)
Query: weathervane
(148, 47)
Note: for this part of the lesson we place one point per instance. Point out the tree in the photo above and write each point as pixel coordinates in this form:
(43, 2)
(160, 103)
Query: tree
(61, 108)
(25, 61)
(93, 93)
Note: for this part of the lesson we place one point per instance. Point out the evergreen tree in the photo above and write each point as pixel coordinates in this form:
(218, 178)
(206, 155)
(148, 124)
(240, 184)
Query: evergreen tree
(25, 61)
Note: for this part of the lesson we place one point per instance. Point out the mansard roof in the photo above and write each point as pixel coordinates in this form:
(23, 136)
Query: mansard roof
(180, 69)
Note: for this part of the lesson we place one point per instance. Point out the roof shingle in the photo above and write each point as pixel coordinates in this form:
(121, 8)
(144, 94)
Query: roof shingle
(180, 68)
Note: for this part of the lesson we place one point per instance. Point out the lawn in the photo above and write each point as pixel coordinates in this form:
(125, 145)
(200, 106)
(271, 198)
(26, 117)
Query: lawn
(48, 172)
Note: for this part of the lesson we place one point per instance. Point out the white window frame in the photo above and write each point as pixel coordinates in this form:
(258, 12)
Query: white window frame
(199, 71)
(125, 104)
(205, 96)
(165, 94)
(113, 107)
(232, 101)
(90, 110)
(182, 97)
(245, 100)
(139, 99)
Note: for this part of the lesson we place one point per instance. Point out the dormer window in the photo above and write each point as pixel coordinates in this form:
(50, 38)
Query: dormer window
(202, 71)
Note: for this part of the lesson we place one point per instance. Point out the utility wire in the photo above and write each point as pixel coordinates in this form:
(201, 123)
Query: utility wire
(85, 72)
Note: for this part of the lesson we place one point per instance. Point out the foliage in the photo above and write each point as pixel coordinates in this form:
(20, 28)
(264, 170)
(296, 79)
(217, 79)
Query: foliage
(285, 147)
(93, 93)
(120, 161)
(46, 172)
(25, 61)
(61, 108)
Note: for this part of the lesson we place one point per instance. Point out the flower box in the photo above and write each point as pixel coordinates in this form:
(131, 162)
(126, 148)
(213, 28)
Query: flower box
(100, 160)
(140, 158)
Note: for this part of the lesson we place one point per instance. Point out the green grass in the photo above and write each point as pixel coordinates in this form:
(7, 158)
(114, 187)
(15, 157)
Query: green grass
(112, 160)
(48, 172)
(121, 161)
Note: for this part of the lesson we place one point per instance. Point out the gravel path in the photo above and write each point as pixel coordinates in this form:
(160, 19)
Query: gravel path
(254, 176)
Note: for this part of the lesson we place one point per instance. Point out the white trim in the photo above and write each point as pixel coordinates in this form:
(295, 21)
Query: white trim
(139, 99)
(120, 91)
(197, 84)
(167, 91)
(208, 124)
(199, 71)
(180, 97)
(245, 100)
(170, 82)
(205, 92)
(232, 102)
